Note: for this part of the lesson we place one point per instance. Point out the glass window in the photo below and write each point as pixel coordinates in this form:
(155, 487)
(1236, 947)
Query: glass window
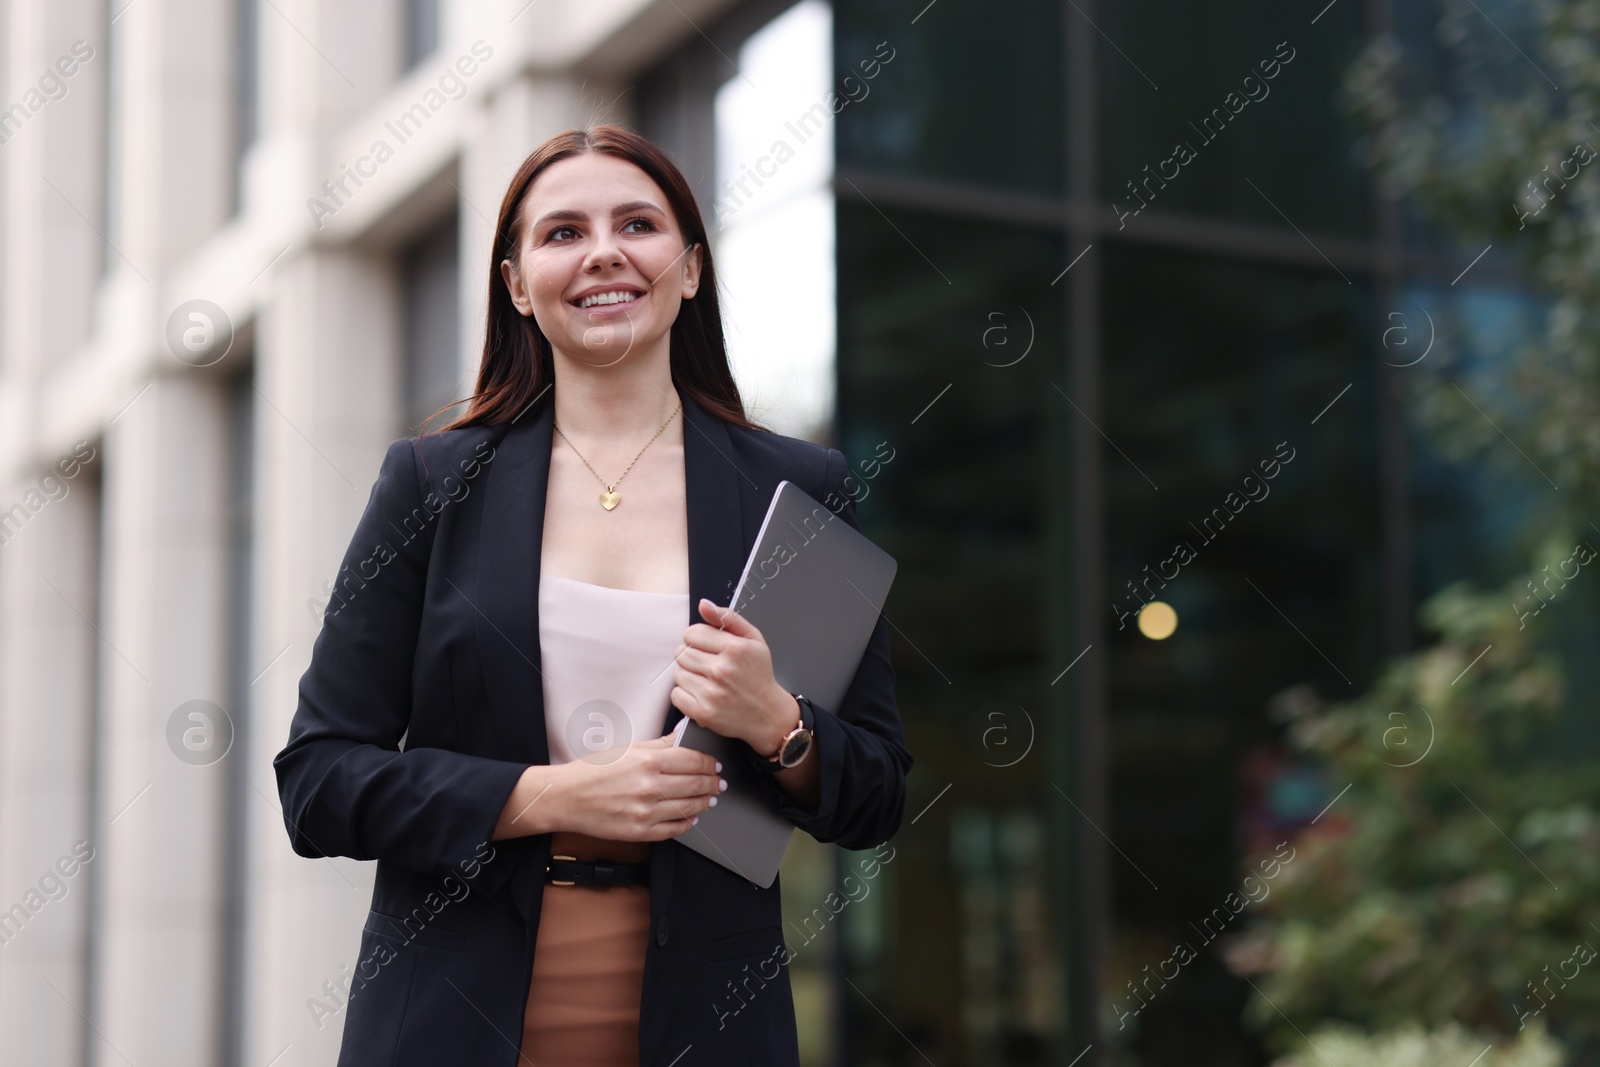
(774, 212)
(966, 93)
(242, 673)
(1241, 492)
(1251, 95)
(247, 91)
(430, 270)
(110, 215)
(771, 207)
(1470, 517)
(422, 30)
(950, 333)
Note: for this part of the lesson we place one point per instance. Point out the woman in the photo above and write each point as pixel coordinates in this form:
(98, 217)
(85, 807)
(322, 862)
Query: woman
(487, 704)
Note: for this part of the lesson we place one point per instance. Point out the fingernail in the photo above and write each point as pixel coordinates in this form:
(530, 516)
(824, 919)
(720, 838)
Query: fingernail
(719, 766)
(712, 804)
(694, 820)
(722, 784)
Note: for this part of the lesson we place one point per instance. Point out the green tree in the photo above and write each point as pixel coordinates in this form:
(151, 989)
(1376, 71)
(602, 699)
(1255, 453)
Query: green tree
(1460, 869)
(1457, 881)
(1339, 1046)
(1478, 139)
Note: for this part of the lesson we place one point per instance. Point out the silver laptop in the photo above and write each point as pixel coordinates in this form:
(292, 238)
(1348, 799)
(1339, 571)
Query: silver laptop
(814, 587)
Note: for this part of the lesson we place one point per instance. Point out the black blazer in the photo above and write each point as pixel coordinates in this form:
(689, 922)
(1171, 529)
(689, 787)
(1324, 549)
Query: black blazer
(423, 704)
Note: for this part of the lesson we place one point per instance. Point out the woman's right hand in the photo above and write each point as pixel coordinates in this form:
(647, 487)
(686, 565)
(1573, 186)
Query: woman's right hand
(651, 791)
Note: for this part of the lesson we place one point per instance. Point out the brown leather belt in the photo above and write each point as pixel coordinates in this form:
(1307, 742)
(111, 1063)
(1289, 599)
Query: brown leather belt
(568, 870)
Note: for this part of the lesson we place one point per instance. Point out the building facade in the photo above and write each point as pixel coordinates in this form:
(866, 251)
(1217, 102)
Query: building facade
(245, 246)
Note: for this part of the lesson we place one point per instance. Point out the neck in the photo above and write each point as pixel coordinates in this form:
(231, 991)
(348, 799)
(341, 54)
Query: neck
(626, 401)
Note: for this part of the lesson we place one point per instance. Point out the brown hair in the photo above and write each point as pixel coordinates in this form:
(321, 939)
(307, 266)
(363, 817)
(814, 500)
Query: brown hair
(517, 362)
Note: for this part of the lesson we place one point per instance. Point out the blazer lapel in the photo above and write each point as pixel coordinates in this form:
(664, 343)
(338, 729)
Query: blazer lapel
(506, 594)
(507, 585)
(715, 488)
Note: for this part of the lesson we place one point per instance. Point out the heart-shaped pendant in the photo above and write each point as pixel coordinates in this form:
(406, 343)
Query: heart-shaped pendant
(609, 500)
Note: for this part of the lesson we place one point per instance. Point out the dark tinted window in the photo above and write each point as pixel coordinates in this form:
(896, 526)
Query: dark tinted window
(430, 270)
(971, 94)
(1214, 372)
(1288, 134)
(936, 371)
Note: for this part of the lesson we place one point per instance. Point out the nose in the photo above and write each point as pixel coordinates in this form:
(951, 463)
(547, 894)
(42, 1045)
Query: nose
(604, 252)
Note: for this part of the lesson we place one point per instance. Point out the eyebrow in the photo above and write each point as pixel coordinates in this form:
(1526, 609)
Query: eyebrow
(570, 215)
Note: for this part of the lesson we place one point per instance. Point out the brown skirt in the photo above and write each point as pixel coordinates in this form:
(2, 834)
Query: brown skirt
(588, 965)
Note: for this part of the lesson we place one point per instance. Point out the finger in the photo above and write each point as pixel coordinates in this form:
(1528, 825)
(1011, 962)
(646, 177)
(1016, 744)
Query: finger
(694, 690)
(686, 761)
(686, 703)
(727, 619)
(684, 786)
(670, 808)
(687, 808)
(697, 661)
(663, 831)
(708, 638)
(661, 816)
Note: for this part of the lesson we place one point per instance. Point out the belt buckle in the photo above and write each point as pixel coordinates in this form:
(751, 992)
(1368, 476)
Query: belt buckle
(570, 859)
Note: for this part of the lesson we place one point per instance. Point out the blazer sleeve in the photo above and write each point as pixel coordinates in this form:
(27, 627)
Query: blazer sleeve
(862, 795)
(347, 788)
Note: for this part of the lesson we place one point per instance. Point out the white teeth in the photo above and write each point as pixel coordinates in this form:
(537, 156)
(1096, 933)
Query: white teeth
(618, 296)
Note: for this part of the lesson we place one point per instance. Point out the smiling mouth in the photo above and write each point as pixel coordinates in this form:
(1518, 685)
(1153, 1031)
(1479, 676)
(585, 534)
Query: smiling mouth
(606, 299)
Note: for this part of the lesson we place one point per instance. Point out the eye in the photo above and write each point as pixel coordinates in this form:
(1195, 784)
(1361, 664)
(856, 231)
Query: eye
(555, 234)
(649, 227)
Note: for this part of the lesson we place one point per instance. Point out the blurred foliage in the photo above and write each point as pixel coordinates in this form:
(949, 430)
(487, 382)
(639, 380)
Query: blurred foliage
(1414, 1047)
(1475, 136)
(1451, 897)
(1456, 877)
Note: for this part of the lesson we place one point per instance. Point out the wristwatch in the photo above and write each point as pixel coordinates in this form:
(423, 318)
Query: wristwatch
(796, 744)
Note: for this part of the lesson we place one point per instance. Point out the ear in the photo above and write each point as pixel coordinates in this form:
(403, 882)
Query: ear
(691, 271)
(519, 292)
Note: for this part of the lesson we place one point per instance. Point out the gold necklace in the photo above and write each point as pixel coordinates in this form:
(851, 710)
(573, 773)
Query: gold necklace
(611, 498)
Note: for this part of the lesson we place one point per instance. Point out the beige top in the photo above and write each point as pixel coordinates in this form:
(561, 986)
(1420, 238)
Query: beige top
(607, 663)
(607, 666)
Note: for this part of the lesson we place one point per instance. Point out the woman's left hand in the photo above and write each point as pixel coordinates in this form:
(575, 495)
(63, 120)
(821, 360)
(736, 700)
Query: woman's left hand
(725, 683)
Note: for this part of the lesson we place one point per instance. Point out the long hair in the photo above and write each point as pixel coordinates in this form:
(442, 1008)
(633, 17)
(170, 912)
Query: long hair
(518, 363)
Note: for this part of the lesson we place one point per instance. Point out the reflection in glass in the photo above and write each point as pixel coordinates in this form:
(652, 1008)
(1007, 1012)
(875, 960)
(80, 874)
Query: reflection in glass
(1226, 387)
(422, 30)
(972, 93)
(1251, 92)
(430, 270)
(246, 89)
(949, 337)
(774, 212)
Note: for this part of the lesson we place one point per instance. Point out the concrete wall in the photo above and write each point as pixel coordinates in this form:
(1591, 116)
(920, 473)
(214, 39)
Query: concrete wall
(116, 609)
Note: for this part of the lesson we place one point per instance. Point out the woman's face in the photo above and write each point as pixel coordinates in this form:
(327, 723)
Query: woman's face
(601, 264)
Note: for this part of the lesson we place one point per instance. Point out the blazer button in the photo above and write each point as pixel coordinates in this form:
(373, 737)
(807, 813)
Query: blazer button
(661, 931)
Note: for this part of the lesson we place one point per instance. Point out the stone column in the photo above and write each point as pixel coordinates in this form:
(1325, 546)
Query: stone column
(328, 360)
(161, 798)
(48, 652)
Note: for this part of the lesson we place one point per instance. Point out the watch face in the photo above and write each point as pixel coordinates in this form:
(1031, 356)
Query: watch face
(795, 749)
